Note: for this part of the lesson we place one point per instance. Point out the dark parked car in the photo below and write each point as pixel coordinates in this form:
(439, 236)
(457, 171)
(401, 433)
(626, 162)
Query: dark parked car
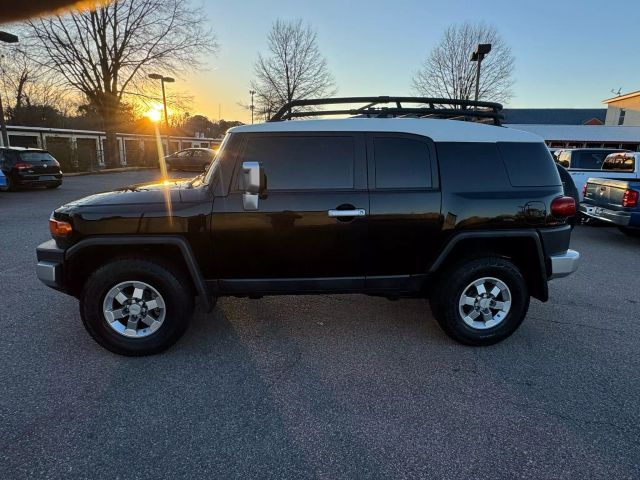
(29, 167)
(190, 159)
(472, 216)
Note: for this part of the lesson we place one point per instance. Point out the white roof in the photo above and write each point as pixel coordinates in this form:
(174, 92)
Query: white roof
(436, 129)
(585, 133)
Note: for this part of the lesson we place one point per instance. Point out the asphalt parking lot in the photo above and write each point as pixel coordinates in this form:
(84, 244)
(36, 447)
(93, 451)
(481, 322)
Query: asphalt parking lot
(320, 387)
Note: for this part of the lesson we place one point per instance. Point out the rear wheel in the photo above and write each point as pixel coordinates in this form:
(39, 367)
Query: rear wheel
(136, 306)
(480, 301)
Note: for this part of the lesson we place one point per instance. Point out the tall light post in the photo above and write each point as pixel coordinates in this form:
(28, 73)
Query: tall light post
(7, 38)
(481, 51)
(252, 106)
(163, 80)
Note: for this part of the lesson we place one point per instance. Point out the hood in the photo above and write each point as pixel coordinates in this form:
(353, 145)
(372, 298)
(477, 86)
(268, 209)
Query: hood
(143, 193)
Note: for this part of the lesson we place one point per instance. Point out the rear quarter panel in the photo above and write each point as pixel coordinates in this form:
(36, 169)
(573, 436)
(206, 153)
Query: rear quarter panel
(478, 192)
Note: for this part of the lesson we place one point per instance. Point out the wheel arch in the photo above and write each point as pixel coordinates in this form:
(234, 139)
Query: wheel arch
(516, 245)
(83, 257)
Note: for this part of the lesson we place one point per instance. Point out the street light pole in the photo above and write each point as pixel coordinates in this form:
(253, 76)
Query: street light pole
(163, 79)
(7, 38)
(481, 51)
(164, 103)
(252, 92)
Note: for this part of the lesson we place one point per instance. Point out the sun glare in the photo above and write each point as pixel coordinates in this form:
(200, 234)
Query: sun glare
(154, 114)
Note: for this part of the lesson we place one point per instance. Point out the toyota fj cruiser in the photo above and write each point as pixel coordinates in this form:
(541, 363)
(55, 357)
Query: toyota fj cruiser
(395, 201)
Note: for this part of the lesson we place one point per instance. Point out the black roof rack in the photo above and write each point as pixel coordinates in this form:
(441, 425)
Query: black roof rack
(426, 107)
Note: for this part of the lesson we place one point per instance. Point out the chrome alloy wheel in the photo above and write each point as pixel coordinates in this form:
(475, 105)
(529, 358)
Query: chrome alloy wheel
(485, 303)
(134, 309)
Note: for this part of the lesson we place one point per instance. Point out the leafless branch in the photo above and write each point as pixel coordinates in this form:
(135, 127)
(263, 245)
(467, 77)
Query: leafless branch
(292, 69)
(448, 72)
(108, 52)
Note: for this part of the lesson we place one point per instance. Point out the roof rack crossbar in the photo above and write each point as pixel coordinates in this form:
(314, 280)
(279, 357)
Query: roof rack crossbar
(436, 108)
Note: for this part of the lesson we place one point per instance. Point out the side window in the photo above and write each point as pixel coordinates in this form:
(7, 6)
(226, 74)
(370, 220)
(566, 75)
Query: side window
(630, 164)
(401, 163)
(304, 162)
(199, 153)
(183, 154)
(529, 164)
(565, 159)
(620, 163)
(611, 162)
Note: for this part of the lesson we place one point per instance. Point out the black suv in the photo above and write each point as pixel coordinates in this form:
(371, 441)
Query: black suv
(470, 215)
(29, 167)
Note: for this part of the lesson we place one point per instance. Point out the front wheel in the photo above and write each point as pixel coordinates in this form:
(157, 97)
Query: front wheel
(136, 306)
(480, 301)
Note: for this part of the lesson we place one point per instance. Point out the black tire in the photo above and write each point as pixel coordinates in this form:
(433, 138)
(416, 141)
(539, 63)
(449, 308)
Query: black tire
(454, 282)
(632, 232)
(170, 282)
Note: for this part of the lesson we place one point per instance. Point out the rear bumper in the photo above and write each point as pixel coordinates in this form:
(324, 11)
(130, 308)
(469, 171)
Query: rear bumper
(617, 217)
(49, 268)
(564, 264)
(33, 180)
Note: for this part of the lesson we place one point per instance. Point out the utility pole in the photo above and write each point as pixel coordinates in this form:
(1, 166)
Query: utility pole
(7, 38)
(252, 107)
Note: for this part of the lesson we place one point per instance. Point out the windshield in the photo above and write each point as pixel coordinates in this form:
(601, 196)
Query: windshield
(215, 164)
(35, 157)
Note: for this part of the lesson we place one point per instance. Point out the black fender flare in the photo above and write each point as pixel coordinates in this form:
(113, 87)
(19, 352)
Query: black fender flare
(175, 240)
(488, 234)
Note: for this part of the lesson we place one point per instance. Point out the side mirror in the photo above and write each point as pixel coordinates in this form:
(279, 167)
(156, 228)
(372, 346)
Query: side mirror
(254, 183)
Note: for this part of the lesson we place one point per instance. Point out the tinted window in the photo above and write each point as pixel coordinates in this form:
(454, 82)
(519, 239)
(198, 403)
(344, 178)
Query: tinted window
(564, 159)
(621, 163)
(472, 167)
(35, 157)
(589, 159)
(304, 162)
(401, 163)
(529, 164)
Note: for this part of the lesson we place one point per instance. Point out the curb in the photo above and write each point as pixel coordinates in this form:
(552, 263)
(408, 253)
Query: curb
(109, 170)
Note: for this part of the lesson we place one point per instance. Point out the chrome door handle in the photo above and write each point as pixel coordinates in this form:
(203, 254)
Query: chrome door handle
(356, 212)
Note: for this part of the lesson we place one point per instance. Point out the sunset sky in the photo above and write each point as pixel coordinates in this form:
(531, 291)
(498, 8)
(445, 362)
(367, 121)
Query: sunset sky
(568, 53)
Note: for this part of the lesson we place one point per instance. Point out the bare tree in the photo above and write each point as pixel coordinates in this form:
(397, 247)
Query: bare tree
(293, 68)
(24, 84)
(108, 52)
(449, 73)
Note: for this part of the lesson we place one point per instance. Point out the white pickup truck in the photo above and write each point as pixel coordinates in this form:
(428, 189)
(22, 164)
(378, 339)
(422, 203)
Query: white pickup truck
(620, 166)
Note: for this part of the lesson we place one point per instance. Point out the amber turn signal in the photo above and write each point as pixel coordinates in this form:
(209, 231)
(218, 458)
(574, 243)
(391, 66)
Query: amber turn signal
(59, 229)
